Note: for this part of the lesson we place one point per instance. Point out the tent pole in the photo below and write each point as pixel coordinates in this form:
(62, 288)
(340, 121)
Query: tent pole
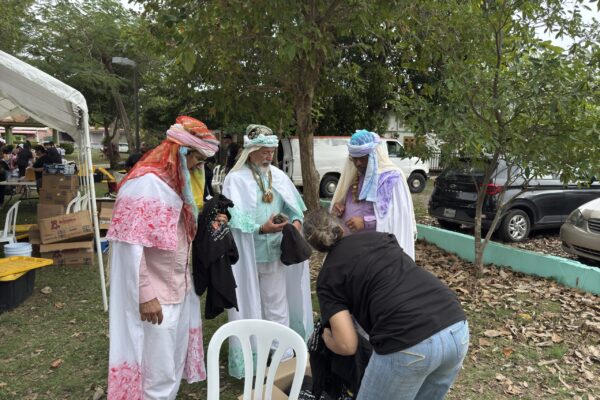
(91, 185)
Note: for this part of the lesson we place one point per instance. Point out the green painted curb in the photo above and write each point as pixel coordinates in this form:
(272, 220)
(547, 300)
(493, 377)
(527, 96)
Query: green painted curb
(567, 272)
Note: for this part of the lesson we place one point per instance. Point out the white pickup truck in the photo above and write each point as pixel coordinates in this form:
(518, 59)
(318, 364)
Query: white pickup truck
(331, 153)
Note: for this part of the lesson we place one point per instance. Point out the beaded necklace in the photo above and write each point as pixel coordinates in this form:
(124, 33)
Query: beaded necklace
(267, 196)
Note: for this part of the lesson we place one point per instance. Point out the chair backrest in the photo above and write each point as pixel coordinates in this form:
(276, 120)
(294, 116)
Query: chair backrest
(217, 181)
(11, 220)
(84, 202)
(73, 204)
(263, 333)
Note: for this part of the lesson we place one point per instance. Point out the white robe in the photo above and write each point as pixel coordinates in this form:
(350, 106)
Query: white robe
(146, 214)
(240, 187)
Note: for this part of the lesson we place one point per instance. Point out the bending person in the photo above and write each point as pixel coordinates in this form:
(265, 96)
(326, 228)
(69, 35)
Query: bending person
(415, 323)
(155, 326)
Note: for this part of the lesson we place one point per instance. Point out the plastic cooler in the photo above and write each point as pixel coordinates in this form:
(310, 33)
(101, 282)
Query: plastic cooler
(17, 278)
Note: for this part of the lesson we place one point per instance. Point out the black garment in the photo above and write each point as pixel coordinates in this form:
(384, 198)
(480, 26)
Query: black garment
(232, 151)
(53, 156)
(396, 302)
(4, 171)
(23, 157)
(294, 248)
(337, 376)
(214, 251)
(132, 159)
(39, 163)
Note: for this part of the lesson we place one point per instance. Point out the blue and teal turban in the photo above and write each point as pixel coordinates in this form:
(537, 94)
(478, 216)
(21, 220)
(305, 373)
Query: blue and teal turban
(364, 143)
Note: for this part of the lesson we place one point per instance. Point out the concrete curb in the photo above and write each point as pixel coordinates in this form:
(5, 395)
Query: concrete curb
(567, 272)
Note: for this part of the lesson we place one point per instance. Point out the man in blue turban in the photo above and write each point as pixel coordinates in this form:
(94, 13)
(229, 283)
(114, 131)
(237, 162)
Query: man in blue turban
(372, 194)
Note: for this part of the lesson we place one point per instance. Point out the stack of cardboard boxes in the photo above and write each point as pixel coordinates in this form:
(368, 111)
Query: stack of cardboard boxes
(65, 238)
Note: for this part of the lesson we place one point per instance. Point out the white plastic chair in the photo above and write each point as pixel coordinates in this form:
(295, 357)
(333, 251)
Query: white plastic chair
(84, 202)
(264, 333)
(73, 204)
(8, 234)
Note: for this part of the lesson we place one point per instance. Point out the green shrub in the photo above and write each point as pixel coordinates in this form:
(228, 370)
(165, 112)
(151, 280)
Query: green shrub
(68, 147)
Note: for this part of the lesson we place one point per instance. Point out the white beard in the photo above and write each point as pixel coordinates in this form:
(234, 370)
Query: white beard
(264, 170)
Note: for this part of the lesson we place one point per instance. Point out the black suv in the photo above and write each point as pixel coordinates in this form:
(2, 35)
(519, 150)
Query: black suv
(545, 204)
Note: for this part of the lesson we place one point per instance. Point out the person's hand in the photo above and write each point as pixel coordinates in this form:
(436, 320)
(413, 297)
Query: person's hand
(272, 227)
(222, 219)
(298, 225)
(151, 311)
(355, 224)
(338, 209)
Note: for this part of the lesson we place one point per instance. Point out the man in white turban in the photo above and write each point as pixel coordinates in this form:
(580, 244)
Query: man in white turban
(372, 194)
(266, 288)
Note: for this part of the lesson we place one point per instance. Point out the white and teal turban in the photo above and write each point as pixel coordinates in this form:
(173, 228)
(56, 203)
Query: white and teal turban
(260, 136)
(364, 143)
(256, 136)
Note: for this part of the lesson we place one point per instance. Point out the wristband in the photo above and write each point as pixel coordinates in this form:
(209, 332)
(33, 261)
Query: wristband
(260, 230)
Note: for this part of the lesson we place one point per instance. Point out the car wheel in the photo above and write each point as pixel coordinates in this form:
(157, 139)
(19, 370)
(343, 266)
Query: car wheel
(452, 226)
(328, 185)
(515, 226)
(416, 182)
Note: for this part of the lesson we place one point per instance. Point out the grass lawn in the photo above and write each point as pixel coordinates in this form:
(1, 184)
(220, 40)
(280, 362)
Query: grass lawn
(530, 338)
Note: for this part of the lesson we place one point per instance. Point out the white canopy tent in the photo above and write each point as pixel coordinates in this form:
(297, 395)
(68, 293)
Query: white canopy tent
(27, 90)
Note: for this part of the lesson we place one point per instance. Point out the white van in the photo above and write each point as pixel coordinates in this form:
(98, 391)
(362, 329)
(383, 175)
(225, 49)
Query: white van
(331, 153)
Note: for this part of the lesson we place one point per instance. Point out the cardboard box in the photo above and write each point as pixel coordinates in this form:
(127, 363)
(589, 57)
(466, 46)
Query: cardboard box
(29, 174)
(105, 215)
(284, 376)
(60, 181)
(276, 394)
(50, 210)
(65, 227)
(69, 254)
(34, 235)
(50, 195)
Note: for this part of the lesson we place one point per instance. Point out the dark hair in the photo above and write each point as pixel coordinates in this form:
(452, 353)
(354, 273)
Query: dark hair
(227, 136)
(40, 148)
(322, 230)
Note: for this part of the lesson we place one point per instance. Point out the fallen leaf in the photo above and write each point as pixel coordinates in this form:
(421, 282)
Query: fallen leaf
(507, 351)
(525, 317)
(484, 342)
(56, 363)
(46, 290)
(491, 333)
(98, 393)
(556, 338)
(59, 305)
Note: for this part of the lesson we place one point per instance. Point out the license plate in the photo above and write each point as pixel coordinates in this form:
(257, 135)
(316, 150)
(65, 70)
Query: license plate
(449, 212)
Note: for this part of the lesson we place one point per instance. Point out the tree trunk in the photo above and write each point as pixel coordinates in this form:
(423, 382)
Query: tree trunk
(310, 178)
(111, 146)
(121, 112)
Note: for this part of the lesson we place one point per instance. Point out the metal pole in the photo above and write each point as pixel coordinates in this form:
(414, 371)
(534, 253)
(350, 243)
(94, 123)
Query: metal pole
(136, 106)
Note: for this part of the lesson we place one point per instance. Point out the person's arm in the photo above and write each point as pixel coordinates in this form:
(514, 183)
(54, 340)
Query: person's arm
(341, 338)
(150, 308)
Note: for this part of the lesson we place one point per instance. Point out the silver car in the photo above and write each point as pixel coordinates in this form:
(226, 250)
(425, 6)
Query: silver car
(580, 234)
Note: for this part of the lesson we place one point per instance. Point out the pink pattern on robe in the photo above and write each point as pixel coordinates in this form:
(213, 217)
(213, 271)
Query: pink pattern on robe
(125, 382)
(146, 222)
(194, 370)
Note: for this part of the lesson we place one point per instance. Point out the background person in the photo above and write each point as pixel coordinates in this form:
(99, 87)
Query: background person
(41, 158)
(53, 153)
(372, 193)
(415, 323)
(267, 289)
(155, 326)
(232, 150)
(24, 157)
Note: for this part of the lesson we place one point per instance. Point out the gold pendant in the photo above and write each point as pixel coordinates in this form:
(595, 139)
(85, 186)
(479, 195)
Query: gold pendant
(267, 197)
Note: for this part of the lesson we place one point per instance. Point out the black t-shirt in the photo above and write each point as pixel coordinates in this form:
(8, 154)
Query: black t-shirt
(23, 157)
(232, 151)
(53, 156)
(398, 303)
(39, 163)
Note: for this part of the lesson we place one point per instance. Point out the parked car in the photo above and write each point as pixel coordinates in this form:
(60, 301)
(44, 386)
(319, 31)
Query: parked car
(545, 203)
(580, 234)
(123, 148)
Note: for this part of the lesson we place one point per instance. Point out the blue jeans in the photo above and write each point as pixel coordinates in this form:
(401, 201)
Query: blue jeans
(424, 371)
